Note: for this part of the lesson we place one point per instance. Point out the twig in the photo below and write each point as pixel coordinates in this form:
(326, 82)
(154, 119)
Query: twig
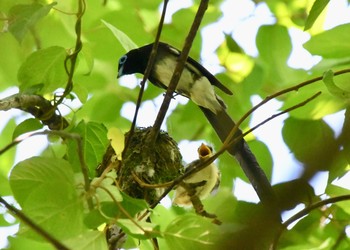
(24, 218)
(146, 74)
(72, 58)
(178, 70)
(305, 212)
(202, 164)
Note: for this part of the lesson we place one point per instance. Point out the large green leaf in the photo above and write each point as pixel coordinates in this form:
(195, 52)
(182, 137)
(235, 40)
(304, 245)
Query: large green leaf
(332, 43)
(45, 189)
(44, 70)
(92, 240)
(312, 142)
(25, 16)
(191, 232)
(94, 138)
(274, 45)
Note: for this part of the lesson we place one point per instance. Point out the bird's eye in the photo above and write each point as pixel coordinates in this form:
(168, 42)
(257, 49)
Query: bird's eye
(122, 60)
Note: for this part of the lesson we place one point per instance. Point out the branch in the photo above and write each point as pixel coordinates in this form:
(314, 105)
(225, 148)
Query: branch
(178, 70)
(305, 212)
(147, 72)
(71, 60)
(38, 106)
(17, 213)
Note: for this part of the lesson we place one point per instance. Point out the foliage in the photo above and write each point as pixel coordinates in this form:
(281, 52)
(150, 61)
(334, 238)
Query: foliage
(68, 54)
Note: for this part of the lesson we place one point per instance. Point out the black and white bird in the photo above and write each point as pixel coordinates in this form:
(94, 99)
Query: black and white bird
(197, 83)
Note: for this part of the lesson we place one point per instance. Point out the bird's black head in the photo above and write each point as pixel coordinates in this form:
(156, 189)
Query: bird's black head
(135, 61)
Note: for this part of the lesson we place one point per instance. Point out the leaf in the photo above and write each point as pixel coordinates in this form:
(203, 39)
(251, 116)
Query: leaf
(28, 125)
(106, 190)
(45, 189)
(94, 145)
(328, 79)
(311, 141)
(315, 11)
(116, 137)
(143, 229)
(92, 240)
(25, 16)
(191, 232)
(232, 45)
(274, 46)
(21, 242)
(44, 67)
(332, 43)
(124, 40)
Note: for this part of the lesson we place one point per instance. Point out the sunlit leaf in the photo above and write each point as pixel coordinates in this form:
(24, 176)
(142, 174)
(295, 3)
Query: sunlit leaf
(124, 40)
(331, 43)
(116, 137)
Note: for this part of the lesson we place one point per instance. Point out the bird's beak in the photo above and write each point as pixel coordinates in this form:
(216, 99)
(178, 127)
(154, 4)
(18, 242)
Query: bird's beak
(120, 72)
(204, 151)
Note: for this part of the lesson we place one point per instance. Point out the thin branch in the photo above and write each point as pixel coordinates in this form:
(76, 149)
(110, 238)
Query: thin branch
(287, 90)
(202, 164)
(24, 218)
(71, 60)
(147, 72)
(305, 212)
(178, 70)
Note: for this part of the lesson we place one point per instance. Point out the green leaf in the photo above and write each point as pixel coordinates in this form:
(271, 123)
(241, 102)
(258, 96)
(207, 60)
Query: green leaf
(274, 46)
(44, 67)
(232, 45)
(143, 229)
(45, 189)
(92, 240)
(94, 136)
(315, 11)
(311, 141)
(28, 125)
(328, 79)
(332, 43)
(21, 242)
(124, 40)
(25, 16)
(191, 232)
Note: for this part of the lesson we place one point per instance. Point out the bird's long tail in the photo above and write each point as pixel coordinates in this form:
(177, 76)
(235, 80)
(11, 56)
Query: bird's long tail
(223, 124)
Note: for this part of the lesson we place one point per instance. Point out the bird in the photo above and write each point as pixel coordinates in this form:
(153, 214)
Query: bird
(204, 182)
(197, 84)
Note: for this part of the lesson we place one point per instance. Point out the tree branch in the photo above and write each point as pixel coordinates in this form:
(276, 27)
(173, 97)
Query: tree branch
(178, 70)
(38, 106)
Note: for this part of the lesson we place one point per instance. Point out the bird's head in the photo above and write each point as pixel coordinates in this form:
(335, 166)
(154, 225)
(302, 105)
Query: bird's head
(135, 61)
(205, 151)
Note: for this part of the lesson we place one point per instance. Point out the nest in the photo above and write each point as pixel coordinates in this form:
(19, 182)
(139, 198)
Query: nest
(144, 165)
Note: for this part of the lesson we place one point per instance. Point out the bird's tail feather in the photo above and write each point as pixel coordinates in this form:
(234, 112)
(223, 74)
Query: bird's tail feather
(223, 124)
